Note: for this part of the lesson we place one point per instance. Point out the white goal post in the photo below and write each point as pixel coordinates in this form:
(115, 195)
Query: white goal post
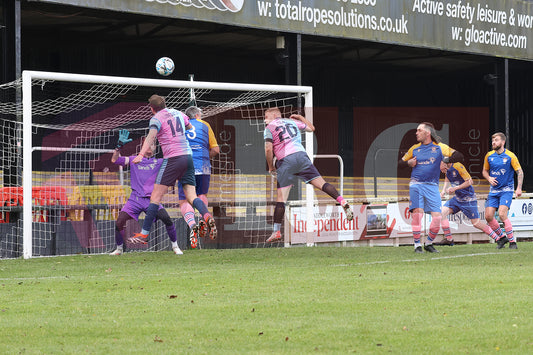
(28, 77)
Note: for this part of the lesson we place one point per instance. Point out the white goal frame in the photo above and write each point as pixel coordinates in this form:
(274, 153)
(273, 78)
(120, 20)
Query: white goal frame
(27, 149)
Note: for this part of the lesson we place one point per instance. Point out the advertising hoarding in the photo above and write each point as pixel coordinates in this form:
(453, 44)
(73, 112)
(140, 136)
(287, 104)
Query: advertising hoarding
(495, 28)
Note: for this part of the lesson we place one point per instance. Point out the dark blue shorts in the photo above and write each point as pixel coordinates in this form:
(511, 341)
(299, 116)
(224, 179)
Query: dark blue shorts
(497, 199)
(293, 167)
(469, 208)
(176, 168)
(202, 186)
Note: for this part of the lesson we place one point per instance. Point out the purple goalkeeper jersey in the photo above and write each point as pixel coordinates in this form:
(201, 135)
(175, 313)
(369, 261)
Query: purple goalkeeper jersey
(170, 125)
(285, 136)
(142, 175)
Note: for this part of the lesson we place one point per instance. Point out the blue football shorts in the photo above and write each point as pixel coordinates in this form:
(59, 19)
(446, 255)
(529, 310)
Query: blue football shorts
(497, 199)
(425, 196)
(202, 186)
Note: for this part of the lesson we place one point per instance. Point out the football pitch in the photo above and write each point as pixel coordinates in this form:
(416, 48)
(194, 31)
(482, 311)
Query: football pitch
(466, 299)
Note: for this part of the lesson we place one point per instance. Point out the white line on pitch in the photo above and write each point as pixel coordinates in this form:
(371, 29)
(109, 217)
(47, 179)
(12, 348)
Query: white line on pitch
(411, 260)
(77, 277)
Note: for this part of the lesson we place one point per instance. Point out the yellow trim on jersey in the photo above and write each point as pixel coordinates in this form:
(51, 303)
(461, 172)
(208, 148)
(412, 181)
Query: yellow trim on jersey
(486, 160)
(514, 160)
(409, 153)
(212, 139)
(462, 171)
(446, 150)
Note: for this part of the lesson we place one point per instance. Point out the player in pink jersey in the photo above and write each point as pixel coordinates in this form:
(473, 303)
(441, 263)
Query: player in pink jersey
(169, 126)
(284, 141)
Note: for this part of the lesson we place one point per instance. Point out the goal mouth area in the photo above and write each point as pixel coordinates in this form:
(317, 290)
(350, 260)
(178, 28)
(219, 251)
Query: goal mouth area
(64, 129)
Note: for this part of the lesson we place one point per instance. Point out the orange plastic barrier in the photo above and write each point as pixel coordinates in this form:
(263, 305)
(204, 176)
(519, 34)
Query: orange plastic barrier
(48, 196)
(42, 196)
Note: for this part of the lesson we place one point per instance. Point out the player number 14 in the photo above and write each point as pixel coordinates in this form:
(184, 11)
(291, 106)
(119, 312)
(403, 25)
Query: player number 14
(178, 128)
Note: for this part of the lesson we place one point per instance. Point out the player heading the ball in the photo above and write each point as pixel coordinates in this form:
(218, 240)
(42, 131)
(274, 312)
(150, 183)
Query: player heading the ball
(168, 126)
(283, 140)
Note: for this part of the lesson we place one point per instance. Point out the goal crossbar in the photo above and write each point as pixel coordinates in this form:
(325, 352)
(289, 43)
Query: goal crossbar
(29, 76)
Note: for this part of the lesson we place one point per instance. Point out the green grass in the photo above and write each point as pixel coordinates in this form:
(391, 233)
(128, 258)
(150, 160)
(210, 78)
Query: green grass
(467, 299)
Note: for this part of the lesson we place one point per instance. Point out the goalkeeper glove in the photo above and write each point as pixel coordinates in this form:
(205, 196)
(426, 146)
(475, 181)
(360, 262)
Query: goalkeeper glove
(123, 138)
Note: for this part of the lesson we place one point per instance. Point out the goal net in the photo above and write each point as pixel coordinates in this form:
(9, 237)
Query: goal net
(59, 133)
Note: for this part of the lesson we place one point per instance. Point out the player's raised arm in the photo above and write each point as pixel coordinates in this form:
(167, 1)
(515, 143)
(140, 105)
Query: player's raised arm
(115, 156)
(123, 138)
(115, 159)
(455, 157)
(310, 127)
(451, 155)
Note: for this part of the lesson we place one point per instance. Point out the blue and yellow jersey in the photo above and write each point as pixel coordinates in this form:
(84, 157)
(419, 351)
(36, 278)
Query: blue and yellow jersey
(500, 167)
(201, 138)
(428, 158)
(457, 175)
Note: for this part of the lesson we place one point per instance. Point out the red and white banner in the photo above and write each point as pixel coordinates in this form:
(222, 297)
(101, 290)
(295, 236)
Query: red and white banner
(386, 221)
(330, 224)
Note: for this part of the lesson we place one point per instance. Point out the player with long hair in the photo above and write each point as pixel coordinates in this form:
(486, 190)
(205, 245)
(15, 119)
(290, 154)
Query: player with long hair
(424, 196)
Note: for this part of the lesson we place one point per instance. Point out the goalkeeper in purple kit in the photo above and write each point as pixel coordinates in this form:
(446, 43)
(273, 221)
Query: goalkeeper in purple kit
(142, 183)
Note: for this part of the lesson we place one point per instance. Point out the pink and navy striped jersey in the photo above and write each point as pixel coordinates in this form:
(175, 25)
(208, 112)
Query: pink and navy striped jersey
(170, 125)
(285, 136)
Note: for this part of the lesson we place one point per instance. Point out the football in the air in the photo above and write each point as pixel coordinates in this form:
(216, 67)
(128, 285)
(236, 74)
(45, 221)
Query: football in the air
(164, 66)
